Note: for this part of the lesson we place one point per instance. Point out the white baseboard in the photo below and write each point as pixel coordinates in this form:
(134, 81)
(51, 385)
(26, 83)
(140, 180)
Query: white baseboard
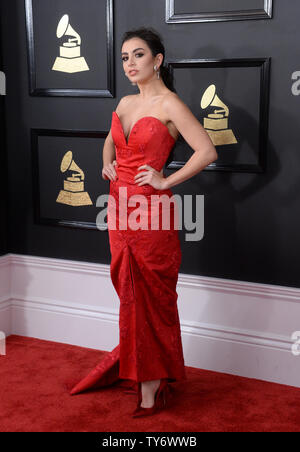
(235, 327)
(5, 291)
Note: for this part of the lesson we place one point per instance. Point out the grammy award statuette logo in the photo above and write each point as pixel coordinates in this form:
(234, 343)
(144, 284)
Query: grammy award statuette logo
(69, 59)
(216, 122)
(73, 193)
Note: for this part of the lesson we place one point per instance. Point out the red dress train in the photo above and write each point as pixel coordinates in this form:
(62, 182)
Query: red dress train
(144, 264)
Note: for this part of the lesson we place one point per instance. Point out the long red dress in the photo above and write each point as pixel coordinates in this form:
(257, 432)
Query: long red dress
(144, 263)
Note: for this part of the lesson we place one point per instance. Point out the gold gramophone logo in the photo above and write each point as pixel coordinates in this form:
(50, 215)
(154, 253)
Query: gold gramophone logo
(70, 59)
(73, 193)
(216, 123)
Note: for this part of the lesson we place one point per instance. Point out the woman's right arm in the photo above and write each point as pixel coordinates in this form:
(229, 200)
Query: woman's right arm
(109, 162)
(109, 151)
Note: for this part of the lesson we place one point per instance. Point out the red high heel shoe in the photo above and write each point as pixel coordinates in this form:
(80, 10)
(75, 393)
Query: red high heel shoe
(159, 400)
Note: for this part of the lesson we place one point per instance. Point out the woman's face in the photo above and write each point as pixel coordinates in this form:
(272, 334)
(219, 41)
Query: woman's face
(137, 56)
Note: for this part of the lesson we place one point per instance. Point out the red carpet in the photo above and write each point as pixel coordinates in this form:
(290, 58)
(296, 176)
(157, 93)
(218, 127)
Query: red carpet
(34, 397)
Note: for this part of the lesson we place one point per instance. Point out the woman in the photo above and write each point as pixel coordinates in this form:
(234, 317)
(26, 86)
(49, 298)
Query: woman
(145, 262)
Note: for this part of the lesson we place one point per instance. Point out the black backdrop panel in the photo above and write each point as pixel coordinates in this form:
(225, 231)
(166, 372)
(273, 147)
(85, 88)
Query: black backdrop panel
(88, 25)
(3, 164)
(54, 202)
(216, 6)
(252, 221)
(230, 99)
(181, 11)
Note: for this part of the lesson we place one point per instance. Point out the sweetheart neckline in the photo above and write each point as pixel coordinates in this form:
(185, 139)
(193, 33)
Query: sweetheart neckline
(144, 117)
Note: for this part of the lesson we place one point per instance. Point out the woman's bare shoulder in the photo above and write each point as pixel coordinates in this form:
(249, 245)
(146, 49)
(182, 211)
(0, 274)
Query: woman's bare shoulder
(124, 102)
(171, 99)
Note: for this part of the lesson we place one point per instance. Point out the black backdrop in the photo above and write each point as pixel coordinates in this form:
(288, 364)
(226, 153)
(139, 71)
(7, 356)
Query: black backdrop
(252, 221)
(3, 172)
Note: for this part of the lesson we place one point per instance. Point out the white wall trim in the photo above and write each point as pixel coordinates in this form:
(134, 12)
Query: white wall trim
(237, 327)
(241, 287)
(5, 291)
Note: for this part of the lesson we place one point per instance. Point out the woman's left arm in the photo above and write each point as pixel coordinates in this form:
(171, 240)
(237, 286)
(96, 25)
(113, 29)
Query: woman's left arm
(194, 134)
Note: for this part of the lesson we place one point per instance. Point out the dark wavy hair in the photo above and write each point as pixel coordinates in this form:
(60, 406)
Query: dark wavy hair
(154, 41)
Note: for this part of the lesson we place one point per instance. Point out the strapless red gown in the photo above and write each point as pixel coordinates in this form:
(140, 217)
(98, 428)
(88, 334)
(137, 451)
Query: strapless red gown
(144, 265)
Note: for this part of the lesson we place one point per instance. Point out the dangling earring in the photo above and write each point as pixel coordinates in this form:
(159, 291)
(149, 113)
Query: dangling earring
(157, 72)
